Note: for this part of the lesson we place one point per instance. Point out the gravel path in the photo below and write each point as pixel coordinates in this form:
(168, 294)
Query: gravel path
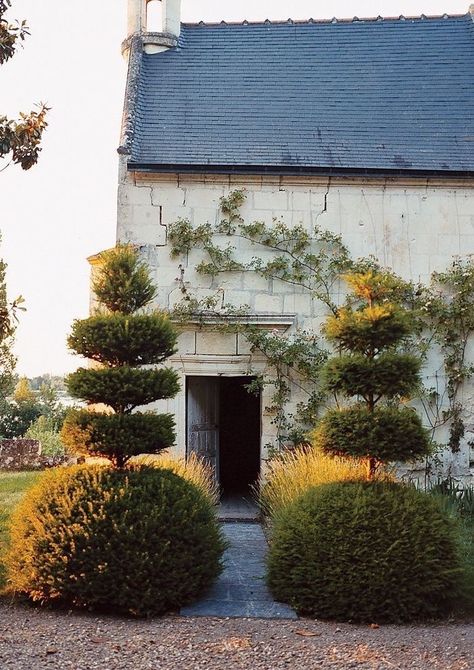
(33, 639)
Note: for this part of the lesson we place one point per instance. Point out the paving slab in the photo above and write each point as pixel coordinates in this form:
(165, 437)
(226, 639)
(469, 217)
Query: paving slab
(241, 590)
(237, 508)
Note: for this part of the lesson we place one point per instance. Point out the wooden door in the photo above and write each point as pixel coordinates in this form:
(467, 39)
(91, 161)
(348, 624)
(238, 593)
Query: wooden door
(203, 420)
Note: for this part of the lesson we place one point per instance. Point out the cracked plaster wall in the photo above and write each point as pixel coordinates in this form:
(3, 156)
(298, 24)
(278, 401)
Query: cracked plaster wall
(413, 227)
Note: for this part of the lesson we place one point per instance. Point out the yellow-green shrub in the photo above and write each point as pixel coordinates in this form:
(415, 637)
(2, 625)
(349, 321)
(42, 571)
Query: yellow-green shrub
(141, 541)
(294, 472)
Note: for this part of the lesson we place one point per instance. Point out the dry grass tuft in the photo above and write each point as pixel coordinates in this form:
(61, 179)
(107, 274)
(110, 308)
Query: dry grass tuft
(192, 469)
(292, 473)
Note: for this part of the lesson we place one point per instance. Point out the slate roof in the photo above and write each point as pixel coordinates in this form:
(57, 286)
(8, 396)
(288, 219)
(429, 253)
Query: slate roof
(386, 95)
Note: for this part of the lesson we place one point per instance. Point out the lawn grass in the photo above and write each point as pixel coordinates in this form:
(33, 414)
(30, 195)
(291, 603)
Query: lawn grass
(467, 553)
(12, 487)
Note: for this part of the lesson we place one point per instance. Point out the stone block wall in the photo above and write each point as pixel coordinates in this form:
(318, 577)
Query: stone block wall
(23, 454)
(413, 226)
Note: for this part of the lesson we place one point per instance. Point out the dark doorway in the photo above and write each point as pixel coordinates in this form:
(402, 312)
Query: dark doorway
(239, 436)
(223, 428)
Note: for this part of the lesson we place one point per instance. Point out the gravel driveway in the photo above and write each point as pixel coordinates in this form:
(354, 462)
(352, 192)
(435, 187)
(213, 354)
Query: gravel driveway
(33, 639)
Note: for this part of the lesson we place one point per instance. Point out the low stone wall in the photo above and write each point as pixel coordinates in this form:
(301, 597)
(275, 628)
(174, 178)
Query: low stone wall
(23, 454)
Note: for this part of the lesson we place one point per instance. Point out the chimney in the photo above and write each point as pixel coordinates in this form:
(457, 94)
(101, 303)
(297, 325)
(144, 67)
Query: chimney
(154, 38)
(136, 23)
(172, 17)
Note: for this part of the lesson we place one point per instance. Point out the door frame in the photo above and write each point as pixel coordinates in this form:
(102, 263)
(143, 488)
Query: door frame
(218, 377)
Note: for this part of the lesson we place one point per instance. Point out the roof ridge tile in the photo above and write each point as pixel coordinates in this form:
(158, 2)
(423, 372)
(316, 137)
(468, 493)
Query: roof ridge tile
(334, 19)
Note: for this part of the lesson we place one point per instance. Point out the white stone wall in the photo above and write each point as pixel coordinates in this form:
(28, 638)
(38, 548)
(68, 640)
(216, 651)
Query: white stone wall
(412, 226)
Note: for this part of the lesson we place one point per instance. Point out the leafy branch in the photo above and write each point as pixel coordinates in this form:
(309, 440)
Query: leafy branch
(10, 33)
(19, 138)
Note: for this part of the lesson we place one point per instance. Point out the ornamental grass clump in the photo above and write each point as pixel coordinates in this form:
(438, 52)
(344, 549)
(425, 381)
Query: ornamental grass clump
(141, 541)
(121, 338)
(192, 468)
(365, 552)
(370, 331)
(294, 472)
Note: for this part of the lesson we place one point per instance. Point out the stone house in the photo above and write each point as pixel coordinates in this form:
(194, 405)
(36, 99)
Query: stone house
(363, 127)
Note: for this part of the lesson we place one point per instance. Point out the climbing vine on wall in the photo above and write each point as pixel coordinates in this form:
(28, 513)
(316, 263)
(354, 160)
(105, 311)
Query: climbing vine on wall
(295, 361)
(449, 310)
(314, 262)
(310, 261)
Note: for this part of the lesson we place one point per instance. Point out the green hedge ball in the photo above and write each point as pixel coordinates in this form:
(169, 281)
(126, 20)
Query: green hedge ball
(365, 552)
(142, 542)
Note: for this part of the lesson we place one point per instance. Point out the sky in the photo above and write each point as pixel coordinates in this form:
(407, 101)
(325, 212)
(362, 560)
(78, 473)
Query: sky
(64, 209)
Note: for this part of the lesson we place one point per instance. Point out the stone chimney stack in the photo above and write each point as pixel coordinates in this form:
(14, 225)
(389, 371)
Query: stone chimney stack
(136, 17)
(172, 17)
(154, 39)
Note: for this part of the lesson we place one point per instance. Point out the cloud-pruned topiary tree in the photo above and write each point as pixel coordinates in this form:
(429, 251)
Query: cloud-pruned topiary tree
(369, 331)
(120, 338)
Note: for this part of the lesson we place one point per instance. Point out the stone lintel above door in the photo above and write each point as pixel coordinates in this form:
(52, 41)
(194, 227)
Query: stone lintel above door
(204, 337)
(265, 321)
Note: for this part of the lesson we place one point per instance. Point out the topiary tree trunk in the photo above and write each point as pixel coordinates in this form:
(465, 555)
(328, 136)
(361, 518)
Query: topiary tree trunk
(121, 338)
(369, 331)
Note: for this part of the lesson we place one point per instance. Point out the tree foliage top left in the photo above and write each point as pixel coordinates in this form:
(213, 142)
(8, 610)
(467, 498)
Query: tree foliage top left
(20, 139)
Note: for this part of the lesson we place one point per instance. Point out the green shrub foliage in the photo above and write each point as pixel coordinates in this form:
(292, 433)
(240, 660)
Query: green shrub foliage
(386, 433)
(142, 541)
(117, 339)
(123, 388)
(123, 284)
(390, 375)
(365, 551)
(369, 332)
(122, 340)
(117, 436)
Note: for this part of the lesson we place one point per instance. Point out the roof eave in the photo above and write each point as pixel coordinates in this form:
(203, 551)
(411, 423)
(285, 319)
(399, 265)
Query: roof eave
(295, 170)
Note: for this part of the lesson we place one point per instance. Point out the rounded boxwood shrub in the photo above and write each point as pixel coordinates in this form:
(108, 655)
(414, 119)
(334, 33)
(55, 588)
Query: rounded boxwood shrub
(141, 541)
(365, 551)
